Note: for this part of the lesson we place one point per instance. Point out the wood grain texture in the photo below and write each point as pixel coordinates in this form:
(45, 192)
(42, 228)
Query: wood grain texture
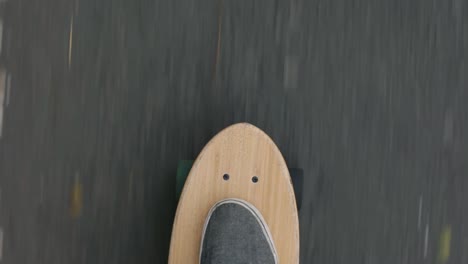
(242, 151)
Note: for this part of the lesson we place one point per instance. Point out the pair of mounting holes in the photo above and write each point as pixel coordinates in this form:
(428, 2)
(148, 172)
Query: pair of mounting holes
(254, 178)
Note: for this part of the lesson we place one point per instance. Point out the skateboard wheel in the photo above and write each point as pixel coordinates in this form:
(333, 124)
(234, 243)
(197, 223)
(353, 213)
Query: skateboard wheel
(183, 169)
(184, 166)
(297, 178)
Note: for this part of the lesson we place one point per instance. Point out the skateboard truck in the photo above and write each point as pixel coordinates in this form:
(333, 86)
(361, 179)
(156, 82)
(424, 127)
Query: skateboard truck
(297, 178)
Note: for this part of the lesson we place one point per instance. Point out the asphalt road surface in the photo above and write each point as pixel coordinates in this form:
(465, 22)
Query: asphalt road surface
(102, 98)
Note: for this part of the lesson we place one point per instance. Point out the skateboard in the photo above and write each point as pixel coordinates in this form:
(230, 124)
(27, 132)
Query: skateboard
(240, 162)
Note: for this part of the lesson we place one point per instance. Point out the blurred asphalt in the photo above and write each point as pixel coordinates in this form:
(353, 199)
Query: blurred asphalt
(369, 97)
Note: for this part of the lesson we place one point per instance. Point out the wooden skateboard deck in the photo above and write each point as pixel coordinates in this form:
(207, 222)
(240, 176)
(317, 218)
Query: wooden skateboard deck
(257, 174)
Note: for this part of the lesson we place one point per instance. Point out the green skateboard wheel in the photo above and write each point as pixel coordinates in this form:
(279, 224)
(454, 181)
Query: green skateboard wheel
(183, 170)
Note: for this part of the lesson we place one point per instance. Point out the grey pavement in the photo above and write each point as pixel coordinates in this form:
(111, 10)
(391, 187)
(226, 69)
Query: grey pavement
(369, 97)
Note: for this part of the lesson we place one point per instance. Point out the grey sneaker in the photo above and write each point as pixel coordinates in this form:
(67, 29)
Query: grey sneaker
(235, 233)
